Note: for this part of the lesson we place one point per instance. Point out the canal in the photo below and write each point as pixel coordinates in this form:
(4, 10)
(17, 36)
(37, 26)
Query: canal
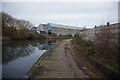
(19, 56)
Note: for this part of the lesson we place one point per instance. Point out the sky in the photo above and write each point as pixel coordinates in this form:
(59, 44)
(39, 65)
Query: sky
(79, 14)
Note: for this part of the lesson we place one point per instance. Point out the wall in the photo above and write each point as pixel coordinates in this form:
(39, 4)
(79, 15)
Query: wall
(89, 34)
(64, 31)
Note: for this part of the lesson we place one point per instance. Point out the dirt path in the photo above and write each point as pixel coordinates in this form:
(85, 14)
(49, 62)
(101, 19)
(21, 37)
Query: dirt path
(59, 64)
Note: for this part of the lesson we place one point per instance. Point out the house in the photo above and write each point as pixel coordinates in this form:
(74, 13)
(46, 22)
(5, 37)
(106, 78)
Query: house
(41, 29)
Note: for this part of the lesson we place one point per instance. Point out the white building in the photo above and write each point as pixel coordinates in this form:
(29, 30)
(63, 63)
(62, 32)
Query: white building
(41, 28)
(61, 29)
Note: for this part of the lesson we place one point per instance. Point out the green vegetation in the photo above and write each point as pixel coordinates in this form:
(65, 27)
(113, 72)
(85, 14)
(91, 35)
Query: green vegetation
(90, 49)
(82, 45)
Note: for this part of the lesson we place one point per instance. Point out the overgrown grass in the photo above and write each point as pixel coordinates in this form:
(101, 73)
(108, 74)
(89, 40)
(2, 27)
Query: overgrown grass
(88, 49)
(83, 46)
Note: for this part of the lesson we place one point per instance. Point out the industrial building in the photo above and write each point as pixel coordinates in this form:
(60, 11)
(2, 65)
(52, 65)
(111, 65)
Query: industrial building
(58, 29)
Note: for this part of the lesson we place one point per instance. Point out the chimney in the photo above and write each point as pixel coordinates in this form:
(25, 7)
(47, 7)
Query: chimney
(95, 26)
(108, 23)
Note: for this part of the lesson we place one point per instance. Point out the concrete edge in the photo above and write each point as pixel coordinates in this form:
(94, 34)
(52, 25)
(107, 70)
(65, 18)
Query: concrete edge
(29, 73)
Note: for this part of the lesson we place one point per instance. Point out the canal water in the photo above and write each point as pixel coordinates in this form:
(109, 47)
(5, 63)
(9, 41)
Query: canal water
(19, 56)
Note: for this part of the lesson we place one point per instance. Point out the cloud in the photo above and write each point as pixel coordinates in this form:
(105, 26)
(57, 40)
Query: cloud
(70, 13)
(60, 1)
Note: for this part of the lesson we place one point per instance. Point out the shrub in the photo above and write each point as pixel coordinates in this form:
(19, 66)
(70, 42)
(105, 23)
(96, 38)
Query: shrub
(103, 45)
(82, 45)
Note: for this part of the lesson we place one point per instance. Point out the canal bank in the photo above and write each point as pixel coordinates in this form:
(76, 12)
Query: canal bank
(58, 62)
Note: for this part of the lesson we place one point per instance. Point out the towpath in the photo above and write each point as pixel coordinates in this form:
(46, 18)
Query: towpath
(59, 63)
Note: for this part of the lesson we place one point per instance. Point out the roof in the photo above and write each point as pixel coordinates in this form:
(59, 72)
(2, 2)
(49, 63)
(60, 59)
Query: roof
(65, 26)
(44, 24)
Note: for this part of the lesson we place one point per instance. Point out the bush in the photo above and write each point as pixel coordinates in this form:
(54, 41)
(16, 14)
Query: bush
(106, 50)
(103, 45)
(82, 45)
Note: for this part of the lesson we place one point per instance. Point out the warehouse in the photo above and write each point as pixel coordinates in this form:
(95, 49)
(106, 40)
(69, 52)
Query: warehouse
(61, 29)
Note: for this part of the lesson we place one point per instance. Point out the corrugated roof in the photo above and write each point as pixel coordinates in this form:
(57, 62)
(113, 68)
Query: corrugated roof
(65, 26)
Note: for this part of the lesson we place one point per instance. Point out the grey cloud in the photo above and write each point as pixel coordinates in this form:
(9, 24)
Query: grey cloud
(83, 13)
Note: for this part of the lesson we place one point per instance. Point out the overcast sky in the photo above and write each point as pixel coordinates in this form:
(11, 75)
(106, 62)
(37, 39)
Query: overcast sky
(79, 14)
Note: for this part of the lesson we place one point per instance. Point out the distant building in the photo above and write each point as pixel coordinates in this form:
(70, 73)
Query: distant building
(41, 29)
(34, 29)
(58, 29)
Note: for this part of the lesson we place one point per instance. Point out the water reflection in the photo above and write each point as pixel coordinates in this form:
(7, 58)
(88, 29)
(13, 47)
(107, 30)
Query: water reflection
(24, 52)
